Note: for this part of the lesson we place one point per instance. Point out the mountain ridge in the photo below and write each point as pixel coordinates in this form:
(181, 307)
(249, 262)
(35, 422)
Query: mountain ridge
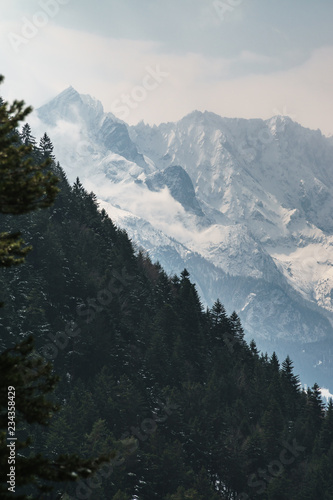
(264, 191)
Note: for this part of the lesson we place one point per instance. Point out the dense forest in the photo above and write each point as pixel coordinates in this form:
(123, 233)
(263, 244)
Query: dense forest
(188, 408)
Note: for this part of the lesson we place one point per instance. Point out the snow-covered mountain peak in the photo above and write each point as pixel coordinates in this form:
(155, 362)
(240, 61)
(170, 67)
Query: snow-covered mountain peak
(63, 106)
(96, 133)
(94, 104)
(67, 95)
(245, 205)
(73, 107)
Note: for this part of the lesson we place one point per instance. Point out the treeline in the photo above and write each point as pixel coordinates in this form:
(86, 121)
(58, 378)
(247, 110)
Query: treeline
(191, 410)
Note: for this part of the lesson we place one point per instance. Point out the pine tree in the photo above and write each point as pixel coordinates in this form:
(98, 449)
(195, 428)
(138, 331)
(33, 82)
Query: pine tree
(272, 423)
(26, 136)
(218, 313)
(316, 406)
(291, 388)
(26, 187)
(30, 378)
(46, 147)
(253, 348)
(274, 362)
(236, 327)
(325, 438)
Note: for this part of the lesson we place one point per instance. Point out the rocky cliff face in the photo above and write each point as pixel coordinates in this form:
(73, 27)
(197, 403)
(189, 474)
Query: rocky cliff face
(245, 205)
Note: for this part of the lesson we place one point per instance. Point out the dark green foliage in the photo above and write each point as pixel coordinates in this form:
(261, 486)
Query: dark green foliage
(192, 411)
(26, 135)
(25, 184)
(26, 377)
(30, 378)
(45, 146)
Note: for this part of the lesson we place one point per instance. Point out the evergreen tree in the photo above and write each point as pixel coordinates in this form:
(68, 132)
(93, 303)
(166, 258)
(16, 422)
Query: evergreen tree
(288, 374)
(291, 388)
(146, 372)
(24, 187)
(218, 313)
(26, 136)
(253, 348)
(315, 406)
(46, 147)
(31, 379)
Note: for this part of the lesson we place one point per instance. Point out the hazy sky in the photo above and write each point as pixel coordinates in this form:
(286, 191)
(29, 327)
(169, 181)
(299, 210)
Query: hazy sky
(158, 61)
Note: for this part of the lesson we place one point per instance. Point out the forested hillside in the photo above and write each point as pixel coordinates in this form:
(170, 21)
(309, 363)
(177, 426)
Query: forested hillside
(191, 409)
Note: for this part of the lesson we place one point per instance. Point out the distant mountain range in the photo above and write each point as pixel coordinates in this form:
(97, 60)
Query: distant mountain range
(245, 205)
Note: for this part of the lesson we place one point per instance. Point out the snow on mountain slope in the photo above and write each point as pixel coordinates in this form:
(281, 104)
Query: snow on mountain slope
(235, 163)
(258, 302)
(245, 205)
(88, 139)
(273, 179)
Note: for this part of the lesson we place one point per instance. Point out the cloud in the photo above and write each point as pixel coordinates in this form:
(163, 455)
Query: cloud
(148, 205)
(137, 199)
(67, 132)
(326, 394)
(109, 68)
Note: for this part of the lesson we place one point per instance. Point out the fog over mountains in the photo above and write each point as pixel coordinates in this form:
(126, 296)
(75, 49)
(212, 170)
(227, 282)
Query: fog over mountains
(245, 205)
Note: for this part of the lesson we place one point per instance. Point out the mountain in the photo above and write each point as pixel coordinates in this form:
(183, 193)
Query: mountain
(98, 127)
(170, 394)
(245, 205)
